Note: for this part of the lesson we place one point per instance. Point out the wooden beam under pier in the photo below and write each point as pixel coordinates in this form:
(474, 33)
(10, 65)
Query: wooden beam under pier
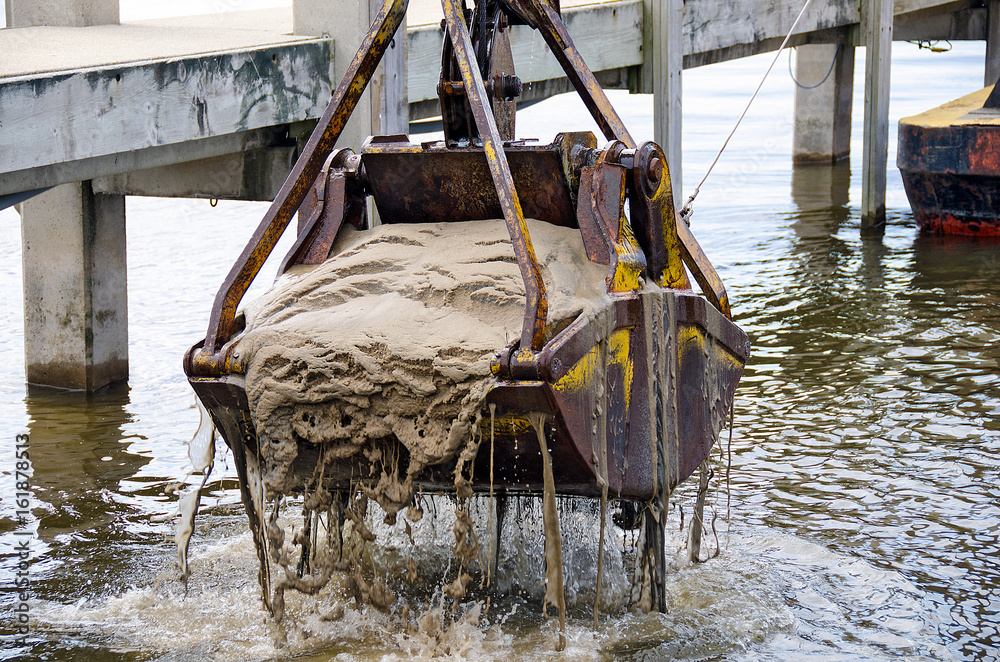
(79, 103)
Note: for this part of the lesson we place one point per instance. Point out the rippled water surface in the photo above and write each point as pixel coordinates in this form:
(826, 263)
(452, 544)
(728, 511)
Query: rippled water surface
(862, 513)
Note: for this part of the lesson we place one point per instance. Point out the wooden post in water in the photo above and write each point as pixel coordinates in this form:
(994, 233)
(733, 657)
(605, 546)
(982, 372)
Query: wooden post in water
(876, 30)
(992, 42)
(662, 65)
(73, 257)
(824, 77)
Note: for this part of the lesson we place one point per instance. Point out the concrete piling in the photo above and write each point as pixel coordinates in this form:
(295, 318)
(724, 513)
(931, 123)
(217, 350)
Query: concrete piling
(75, 297)
(73, 252)
(824, 96)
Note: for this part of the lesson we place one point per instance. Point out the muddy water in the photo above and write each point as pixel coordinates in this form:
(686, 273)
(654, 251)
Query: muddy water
(863, 509)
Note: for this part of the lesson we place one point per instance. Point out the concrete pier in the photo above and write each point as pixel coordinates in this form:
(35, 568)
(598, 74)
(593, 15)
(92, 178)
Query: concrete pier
(75, 301)
(99, 110)
(876, 28)
(71, 13)
(217, 106)
(73, 253)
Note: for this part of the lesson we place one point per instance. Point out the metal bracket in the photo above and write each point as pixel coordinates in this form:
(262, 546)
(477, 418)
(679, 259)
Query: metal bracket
(337, 196)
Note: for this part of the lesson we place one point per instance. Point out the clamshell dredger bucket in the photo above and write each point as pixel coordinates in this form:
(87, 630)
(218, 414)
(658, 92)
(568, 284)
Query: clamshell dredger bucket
(633, 395)
(654, 368)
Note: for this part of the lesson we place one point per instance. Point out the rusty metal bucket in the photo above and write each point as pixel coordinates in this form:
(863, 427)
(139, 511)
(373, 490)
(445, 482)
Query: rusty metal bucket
(634, 395)
(655, 368)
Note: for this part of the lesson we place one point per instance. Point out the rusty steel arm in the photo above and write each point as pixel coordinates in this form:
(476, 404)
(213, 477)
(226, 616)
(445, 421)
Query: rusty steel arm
(536, 304)
(546, 20)
(221, 323)
(702, 270)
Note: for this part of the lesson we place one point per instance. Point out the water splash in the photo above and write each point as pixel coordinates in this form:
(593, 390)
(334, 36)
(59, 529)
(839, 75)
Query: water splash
(731, 608)
(554, 594)
(201, 451)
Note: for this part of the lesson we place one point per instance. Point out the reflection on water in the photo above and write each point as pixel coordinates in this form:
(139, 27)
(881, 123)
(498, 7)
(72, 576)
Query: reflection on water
(871, 412)
(78, 448)
(823, 189)
(80, 456)
(865, 481)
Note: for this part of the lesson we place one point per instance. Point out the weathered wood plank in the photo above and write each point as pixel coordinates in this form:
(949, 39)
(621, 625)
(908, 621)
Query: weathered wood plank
(717, 30)
(48, 119)
(711, 25)
(668, 62)
(389, 100)
(718, 24)
(963, 24)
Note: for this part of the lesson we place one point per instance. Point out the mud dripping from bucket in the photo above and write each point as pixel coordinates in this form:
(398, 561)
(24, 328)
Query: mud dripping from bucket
(554, 594)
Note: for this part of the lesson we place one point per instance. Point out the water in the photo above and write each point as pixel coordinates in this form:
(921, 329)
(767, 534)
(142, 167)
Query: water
(863, 499)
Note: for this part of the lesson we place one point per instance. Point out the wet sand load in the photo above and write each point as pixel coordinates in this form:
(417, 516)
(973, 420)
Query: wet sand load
(385, 348)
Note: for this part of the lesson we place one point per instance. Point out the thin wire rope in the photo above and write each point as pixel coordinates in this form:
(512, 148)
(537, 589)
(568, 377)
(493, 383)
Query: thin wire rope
(827, 76)
(686, 210)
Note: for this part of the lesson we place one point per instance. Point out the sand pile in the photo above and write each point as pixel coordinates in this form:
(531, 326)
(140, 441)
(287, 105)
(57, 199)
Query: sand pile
(390, 340)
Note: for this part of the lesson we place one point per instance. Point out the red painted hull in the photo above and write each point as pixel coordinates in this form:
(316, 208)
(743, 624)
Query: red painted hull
(949, 158)
(953, 204)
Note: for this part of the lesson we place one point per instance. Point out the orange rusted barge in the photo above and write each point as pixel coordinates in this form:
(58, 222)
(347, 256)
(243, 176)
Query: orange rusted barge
(949, 158)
